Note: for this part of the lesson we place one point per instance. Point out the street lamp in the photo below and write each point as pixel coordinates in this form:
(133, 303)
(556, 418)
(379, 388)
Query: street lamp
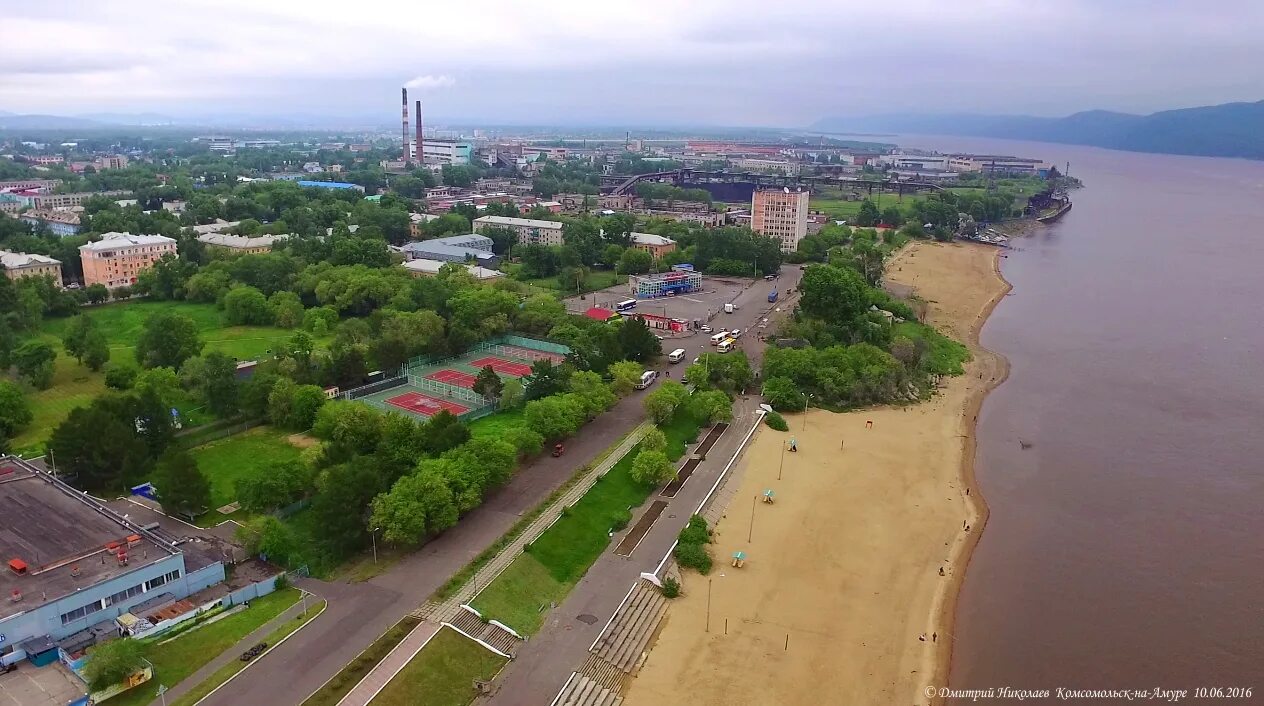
(805, 411)
(373, 538)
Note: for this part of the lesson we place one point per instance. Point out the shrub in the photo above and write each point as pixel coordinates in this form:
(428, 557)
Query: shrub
(776, 421)
(693, 556)
(671, 588)
(282, 582)
(696, 531)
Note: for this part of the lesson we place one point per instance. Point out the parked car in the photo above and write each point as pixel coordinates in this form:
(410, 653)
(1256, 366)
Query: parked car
(704, 328)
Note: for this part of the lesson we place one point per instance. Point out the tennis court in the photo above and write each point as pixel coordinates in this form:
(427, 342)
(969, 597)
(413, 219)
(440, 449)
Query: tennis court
(501, 365)
(425, 405)
(453, 377)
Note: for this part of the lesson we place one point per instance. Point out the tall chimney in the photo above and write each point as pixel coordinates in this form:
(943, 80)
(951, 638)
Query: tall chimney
(421, 139)
(407, 151)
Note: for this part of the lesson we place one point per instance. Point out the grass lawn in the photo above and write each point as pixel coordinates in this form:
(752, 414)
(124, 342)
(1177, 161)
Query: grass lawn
(176, 660)
(560, 557)
(494, 425)
(73, 386)
(225, 460)
(333, 691)
(596, 279)
(226, 672)
(442, 674)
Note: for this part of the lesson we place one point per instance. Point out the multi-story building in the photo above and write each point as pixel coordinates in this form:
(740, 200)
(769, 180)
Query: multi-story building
(614, 202)
(60, 223)
(781, 214)
(114, 161)
(46, 201)
(24, 184)
(774, 166)
(447, 151)
(530, 231)
(117, 258)
(244, 244)
(73, 563)
(995, 164)
(655, 245)
(19, 264)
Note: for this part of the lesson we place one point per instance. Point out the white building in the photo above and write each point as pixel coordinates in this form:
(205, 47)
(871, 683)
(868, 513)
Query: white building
(530, 230)
(429, 268)
(781, 214)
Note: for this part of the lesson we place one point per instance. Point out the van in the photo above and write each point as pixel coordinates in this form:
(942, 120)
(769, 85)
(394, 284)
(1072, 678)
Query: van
(726, 345)
(715, 340)
(729, 308)
(647, 378)
(735, 333)
(677, 355)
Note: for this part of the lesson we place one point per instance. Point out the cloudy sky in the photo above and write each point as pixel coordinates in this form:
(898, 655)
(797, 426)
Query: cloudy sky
(646, 62)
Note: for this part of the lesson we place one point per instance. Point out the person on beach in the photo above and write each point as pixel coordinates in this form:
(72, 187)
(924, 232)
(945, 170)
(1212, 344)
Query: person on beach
(934, 637)
(941, 571)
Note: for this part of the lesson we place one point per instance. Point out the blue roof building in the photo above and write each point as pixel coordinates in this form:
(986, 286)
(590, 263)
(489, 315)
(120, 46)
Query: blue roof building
(329, 184)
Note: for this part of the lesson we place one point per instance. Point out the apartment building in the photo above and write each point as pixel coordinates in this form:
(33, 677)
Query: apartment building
(60, 223)
(530, 231)
(655, 245)
(19, 264)
(781, 214)
(242, 244)
(114, 161)
(47, 201)
(117, 258)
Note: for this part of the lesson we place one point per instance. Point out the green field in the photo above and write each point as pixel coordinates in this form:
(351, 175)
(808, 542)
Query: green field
(174, 661)
(442, 674)
(344, 681)
(560, 557)
(494, 425)
(225, 460)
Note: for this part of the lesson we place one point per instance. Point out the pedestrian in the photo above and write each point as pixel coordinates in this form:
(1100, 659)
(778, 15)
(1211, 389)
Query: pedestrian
(934, 637)
(941, 571)
(840, 444)
(922, 637)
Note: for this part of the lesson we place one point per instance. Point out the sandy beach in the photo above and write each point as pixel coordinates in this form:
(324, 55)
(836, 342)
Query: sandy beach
(843, 571)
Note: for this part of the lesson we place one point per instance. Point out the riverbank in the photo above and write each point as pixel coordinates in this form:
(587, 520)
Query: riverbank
(843, 572)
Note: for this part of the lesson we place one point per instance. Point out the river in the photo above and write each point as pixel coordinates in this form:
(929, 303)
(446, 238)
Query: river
(1125, 547)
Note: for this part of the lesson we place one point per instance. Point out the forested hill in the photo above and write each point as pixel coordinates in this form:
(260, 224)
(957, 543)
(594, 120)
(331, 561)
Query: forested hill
(1228, 130)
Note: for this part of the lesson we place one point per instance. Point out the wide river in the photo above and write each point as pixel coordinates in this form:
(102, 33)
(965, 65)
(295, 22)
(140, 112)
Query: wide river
(1125, 547)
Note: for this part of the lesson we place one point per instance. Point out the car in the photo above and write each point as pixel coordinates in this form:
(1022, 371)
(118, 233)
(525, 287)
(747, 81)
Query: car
(770, 277)
(704, 328)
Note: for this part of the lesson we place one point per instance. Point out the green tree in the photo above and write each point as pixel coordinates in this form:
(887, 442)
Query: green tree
(75, 338)
(99, 444)
(654, 440)
(15, 413)
(892, 216)
(182, 487)
(214, 378)
(273, 486)
(868, 215)
(167, 340)
(545, 379)
(511, 394)
(287, 309)
(625, 375)
(112, 662)
(442, 432)
(554, 417)
(593, 393)
(294, 406)
(320, 320)
(661, 404)
(34, 361)
(833, 294)
(637, 342)
(247, 306)
(526, 441)
(341, 505)
(652, 468)
(635, 262)
(268, 536)
(162, 383)
(97, 293)
(488, 383)
(351, 426)
(417, 505)
(783, 394)
(120, 375)
(715, 405)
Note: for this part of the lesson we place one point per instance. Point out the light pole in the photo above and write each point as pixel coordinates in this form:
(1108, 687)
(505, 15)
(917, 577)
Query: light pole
(805, 412)
(373, 538)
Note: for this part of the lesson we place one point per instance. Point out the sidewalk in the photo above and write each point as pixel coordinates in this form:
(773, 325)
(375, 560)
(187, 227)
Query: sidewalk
(234, 652)
(447, 610)
(381, 675)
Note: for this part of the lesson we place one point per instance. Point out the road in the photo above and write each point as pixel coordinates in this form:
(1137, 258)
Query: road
(544, 662)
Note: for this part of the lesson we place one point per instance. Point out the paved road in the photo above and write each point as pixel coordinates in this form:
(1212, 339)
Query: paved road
(359, 613)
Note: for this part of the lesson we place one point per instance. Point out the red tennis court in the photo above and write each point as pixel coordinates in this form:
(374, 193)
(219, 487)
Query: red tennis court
(425, 405)
(453, 377)
(501, 365)
(532, 354)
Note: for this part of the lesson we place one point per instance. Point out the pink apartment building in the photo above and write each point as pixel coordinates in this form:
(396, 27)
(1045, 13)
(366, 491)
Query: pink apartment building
(117, 258)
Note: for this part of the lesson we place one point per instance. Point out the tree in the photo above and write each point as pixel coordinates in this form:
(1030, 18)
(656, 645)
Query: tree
(34, 361)
(100, 445)
(276, 485)
(162, 383)
(554, 417)
(488, 383)
(835, 295)
(214, 378)
(112, 662)
(341, 505)
(635, 262)
(247, 306)
(294, 406)
(593, 393)
(783, 395)
(320, 320)
(15, 413)
(442, 432)
(892, 216)
(353, 427)
(511, 394)
(636, 342)
(625, 376)
(120, 375)
(654, 440)
(75, 338)
(167, 340)
(416, 506)
(868, 215)
(97, 293)
(661, 404)
(526, 441)
(182, 487)
(545, 379)
(267, 536)
(287, 309)
(715, 405)
(652, 468)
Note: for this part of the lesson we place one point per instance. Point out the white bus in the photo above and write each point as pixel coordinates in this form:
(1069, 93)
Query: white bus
(715, 340)
(625, 305)
(726, 345)
(676, 356)
(647, 379)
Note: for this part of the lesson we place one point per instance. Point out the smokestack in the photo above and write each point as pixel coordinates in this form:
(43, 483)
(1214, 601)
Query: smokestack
(407, 152)
(421, 139)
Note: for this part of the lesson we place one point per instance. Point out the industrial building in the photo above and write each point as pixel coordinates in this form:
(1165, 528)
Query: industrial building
(74, 564)
(476, 249)
(666, 284)
(328, 184)
(781, 214)
(530, 231)
(422, 267)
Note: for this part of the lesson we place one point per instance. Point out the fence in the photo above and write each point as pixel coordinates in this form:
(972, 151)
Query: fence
(373, 387)
(447, 389)
(196, 436)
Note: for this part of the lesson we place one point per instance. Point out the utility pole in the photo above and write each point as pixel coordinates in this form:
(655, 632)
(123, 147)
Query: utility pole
(373, 538)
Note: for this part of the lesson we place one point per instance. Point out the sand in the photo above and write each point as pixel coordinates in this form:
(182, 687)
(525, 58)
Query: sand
(843, 570)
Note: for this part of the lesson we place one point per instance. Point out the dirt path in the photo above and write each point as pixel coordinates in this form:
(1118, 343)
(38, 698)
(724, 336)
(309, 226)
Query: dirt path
(842, 575)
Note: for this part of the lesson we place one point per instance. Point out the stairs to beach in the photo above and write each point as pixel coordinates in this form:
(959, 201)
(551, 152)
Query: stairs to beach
(629, 634)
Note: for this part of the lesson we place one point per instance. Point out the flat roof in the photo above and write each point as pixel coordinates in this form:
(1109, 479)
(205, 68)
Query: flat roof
(510, 221)
(58, 531)
(110, 241)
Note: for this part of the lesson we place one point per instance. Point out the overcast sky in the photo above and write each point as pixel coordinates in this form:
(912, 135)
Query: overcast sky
(643, 62)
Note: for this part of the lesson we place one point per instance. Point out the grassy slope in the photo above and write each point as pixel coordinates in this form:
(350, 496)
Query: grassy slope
(176, 660)
(344, 681)
(233, 457)
(442, 674)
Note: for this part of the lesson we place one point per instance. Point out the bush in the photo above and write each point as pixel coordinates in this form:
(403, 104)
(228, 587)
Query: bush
(282, 582)
(695, 532)
(693, 556)
(776, 421)
(120, 376)
(671, 588)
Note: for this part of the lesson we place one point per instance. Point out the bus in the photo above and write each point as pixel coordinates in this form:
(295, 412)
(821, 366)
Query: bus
(625, 305)
(726, 345)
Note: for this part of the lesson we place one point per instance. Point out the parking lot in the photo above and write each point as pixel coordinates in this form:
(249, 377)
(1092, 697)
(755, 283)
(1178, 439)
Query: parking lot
(53, 685)
(696, 306)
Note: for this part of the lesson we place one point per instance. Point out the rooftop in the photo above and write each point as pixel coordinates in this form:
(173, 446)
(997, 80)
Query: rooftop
(218, 226)
(651, 239)
(54, 215)
(240, 242)
(432, 267)
(18, 260)
(109, 241)
(510, 221)
(329, 184)
(61, 539)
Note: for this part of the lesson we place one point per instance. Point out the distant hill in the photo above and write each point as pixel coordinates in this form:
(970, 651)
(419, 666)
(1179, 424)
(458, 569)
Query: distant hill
(1228, 130)
(45, 122)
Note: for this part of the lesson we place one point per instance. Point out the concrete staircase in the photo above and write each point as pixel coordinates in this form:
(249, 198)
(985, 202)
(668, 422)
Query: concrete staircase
(471, 623)
(628, 635)
(582, 691)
